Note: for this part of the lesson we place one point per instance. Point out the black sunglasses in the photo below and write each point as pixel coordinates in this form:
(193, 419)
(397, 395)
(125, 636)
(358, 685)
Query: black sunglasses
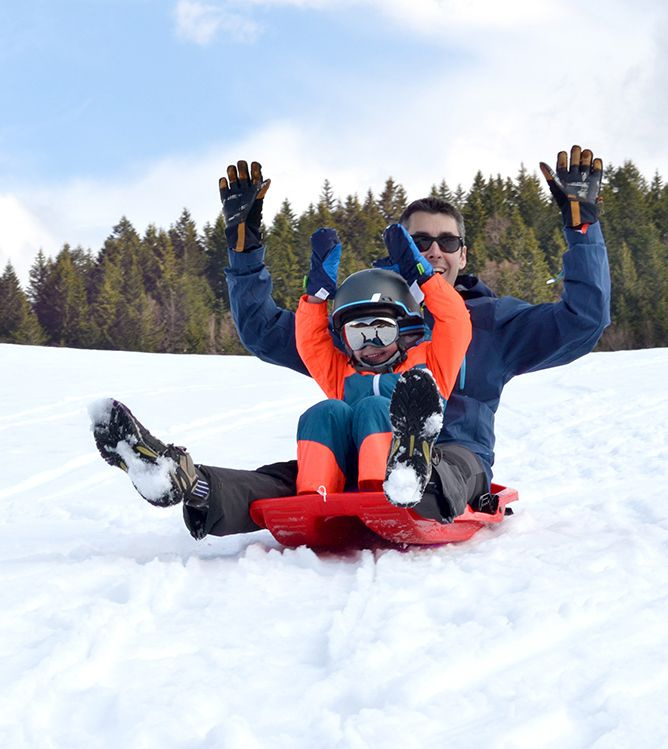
(447, 242)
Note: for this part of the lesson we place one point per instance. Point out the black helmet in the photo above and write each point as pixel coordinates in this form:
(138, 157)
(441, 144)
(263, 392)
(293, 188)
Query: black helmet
(374, 291)
(378, 291)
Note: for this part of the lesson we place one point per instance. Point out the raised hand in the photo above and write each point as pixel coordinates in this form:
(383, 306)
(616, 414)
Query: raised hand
(242, 196)
(404, 255)
(325, 257)
(575, 188)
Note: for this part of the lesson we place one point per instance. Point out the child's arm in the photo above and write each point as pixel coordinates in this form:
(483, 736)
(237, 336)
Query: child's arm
(325, 363)
(452, 325)
(451, 334)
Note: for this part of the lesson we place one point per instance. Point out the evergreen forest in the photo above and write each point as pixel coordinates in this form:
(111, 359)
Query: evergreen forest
(165, 291)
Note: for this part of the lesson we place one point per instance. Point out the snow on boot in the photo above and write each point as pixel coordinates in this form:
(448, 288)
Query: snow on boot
(163, 474)
(416, 415)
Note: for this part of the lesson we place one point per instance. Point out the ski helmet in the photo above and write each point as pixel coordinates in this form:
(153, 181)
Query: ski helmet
(378, 291)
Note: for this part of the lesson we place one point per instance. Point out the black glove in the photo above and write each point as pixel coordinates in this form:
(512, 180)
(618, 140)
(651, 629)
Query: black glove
(242, 205)
(576, 189)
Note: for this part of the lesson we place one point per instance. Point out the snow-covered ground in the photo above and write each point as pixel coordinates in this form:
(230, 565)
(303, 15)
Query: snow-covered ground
(117, 629)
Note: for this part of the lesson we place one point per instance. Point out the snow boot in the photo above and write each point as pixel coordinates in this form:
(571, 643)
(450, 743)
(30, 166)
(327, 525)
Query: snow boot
(416, 415)
(163, 474)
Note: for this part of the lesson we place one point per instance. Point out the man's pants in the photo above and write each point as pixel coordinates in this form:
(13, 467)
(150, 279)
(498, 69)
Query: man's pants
(457, 478)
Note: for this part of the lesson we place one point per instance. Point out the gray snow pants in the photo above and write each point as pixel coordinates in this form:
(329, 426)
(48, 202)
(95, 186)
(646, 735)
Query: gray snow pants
(457, 478)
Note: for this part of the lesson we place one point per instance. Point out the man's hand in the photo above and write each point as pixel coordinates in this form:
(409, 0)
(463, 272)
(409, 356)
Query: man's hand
(576, 189)
(325, 257)
(404, 254)
(242, 196)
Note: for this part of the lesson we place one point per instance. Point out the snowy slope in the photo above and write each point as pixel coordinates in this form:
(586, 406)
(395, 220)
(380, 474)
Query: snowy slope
(119, 630)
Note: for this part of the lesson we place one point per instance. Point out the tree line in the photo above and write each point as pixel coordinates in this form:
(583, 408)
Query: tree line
(165, 291)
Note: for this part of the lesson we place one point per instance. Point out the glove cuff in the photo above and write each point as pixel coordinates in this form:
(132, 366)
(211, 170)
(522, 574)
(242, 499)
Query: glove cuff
(242, 238)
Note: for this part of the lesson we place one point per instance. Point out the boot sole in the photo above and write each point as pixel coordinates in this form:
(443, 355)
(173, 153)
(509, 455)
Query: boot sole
(416, 415)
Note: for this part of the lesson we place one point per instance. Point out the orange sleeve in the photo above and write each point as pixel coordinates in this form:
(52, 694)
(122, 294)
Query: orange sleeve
(325, 363)
(451, 334)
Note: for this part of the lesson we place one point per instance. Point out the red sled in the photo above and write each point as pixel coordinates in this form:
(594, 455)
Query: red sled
(359, 518)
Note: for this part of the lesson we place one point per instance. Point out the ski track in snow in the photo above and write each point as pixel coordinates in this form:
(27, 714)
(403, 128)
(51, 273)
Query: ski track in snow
(119, 630)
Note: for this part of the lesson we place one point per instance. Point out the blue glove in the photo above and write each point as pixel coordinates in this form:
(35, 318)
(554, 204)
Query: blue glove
(325, 257)
(403, 252)
(385, 263)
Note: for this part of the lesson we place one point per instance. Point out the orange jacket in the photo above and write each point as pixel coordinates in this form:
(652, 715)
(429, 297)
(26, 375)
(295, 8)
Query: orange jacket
(443, 354)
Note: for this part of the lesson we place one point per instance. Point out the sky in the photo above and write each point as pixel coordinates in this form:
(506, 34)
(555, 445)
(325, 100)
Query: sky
(134, 108)
(118, 629)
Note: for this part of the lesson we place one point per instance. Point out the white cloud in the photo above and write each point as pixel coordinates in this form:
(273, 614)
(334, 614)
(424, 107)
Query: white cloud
(84, 211)
(23, 235)
(456, 17)
(200, 23)
(521, 95)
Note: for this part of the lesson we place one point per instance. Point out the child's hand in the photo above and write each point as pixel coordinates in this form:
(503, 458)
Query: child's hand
(325, 257)
(403, 252)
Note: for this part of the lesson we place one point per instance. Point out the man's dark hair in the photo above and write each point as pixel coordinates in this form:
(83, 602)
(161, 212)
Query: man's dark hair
(434, 205)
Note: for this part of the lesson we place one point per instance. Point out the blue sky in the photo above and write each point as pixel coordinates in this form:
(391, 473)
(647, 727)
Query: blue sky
(135, 107)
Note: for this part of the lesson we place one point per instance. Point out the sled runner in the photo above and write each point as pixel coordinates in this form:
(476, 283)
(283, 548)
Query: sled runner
(350, 518)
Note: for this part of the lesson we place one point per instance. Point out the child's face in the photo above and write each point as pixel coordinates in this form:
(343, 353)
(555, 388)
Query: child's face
(375, 355)
(370, 333)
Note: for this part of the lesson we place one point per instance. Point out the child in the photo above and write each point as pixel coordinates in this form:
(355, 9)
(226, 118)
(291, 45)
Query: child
(359, 435)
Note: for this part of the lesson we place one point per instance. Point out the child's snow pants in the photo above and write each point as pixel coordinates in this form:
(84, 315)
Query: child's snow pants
(339, 445)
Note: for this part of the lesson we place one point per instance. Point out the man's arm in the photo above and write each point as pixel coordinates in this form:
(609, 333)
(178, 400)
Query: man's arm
(532, 337)
(265, 329)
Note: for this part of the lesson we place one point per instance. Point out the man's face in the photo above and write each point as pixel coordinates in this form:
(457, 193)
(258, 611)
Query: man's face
(449, 264)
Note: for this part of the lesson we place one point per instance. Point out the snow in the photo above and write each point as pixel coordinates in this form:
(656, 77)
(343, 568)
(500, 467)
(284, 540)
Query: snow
(433, 425)
(402, 486)
(117, 629)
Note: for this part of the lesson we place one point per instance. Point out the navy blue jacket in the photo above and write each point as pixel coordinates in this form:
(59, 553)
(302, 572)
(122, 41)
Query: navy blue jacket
(510, 336)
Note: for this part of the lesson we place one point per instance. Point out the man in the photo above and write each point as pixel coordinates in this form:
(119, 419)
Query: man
(510, 337)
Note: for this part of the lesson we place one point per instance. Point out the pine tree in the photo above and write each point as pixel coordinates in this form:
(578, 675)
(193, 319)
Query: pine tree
(69, 316)
(475, 218)
(309, 222)
(283, 258)
(538, 211)
(443, 192)
(215, 250)
(625, 303)
(187, 245)
(38, 291)
(392, 201)
(107, 303)
(326, 201)
(171, 314)
(18, 322)
(374, 225)
(354, 238)
(156, 243)
(196, 299)
(122, 243)
(138, 328)
(658, 205)
(459, 198)
(522, 271)
(495, 197)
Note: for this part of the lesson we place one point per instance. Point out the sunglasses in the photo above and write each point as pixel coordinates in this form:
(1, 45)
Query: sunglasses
(447, 242)
(370, 331)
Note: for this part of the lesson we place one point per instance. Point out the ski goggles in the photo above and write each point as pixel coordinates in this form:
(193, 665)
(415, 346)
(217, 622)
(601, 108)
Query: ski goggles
(447, 242)
(370, 331)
